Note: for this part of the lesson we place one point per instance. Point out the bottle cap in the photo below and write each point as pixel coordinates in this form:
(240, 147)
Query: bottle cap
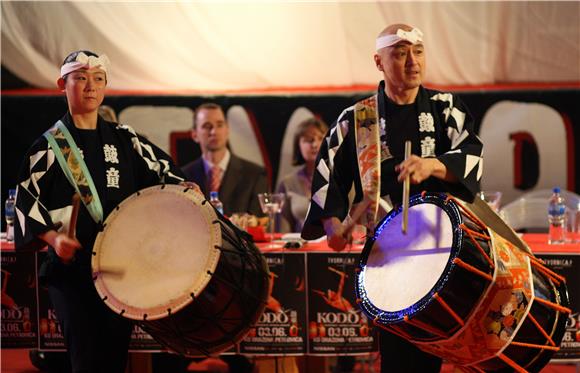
(213, 195)
(556, 190)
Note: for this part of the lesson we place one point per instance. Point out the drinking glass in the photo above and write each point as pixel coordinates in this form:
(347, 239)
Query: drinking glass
(271, 204)
(573, 223)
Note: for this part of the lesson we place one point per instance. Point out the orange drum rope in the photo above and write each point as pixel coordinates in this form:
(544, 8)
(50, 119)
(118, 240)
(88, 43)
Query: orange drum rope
(472, 269)
(425, 327)
(477, 234)
(531, 345)
(448, 309)
(398, 332)
(541, 266)
(477, 245)
(469, 214)
(555, 306)
(512, 364)
(549, 272)
(535, 259)
(541, 329)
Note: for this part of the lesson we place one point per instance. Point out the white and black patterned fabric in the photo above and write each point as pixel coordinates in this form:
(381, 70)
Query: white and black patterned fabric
(441, 126)
(120, 161)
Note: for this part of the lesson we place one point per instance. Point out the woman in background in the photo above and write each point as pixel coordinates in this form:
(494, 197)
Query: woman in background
(297, 184)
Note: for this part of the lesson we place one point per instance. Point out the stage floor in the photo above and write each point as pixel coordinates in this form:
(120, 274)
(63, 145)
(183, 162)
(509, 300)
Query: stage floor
(16, 361)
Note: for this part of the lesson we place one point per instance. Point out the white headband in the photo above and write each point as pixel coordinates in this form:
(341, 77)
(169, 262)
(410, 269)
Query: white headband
(414, 36)
(85, 62)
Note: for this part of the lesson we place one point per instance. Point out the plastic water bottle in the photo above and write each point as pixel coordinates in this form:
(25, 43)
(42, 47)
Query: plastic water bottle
(215, 201)
(557, 218)
(9, 214)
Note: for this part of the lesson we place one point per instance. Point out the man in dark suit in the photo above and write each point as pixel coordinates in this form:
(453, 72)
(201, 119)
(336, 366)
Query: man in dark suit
(236, 180)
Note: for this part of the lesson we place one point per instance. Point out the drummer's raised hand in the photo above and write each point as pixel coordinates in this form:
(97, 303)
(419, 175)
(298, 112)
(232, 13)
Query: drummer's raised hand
(192, 185)
(336, 234)
(419, 169)
(64, 246)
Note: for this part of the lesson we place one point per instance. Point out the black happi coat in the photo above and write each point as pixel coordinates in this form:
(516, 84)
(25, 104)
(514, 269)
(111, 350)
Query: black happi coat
(120, 162)
(440, 127)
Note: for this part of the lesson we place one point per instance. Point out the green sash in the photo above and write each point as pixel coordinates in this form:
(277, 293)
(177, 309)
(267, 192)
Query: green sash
(72, 164)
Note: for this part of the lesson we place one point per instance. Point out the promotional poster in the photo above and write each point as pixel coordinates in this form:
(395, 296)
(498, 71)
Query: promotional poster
(19, 318)
(282, 327)
(335, 323)
(569, 267)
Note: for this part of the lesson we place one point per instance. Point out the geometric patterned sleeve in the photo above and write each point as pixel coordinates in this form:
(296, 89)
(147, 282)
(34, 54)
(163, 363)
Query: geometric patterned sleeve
(156, 160)
(335, 173)
(37, 206)
(464, 158)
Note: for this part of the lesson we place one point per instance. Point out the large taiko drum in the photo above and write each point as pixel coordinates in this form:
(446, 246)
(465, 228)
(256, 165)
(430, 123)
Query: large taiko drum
(190, 278)
(457, 289)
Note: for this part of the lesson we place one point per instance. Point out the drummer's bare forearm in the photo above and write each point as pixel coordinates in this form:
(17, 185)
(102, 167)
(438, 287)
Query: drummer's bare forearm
(330, 223)
(440, 171)
(419, 169)
(64, 245)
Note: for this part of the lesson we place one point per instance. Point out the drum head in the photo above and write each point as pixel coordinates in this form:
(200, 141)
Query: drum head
(402, 269)
(156, 252)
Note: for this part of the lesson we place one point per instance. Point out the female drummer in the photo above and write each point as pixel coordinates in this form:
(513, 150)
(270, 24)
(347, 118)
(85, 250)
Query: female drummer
(103, 163)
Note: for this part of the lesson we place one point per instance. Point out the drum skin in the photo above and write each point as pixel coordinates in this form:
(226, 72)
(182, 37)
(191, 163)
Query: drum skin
(463, 291)
(456, 285)
(167, 259)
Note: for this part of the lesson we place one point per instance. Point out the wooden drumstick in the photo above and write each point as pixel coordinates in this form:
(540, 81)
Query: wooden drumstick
(72, 226)
(357, 213)
(109, 271)
(406, 189)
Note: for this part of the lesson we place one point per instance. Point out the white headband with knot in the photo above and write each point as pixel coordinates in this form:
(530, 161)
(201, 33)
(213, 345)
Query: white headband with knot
(414, 36)
(85, 62)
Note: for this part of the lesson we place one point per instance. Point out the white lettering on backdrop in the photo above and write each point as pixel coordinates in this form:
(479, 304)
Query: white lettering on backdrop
(503, 125)
(539, 123)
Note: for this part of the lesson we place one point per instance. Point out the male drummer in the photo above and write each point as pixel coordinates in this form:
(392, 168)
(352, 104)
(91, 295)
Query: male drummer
(365, 149)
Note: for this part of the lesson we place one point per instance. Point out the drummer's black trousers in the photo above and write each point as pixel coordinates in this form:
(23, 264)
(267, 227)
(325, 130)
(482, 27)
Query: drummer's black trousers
(400, 356)
(96, 339)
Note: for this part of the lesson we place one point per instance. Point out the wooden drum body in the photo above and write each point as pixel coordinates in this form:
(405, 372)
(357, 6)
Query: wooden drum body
(457, 289)
(168, 260)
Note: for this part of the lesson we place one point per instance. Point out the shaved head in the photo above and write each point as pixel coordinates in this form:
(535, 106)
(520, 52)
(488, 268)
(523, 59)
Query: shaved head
(392, 29)
(400, 57)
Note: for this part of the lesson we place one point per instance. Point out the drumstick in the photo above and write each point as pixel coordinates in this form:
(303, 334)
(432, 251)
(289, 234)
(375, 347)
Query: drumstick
(406, 187)
(72, 226)
(356, 214)
(109, 271)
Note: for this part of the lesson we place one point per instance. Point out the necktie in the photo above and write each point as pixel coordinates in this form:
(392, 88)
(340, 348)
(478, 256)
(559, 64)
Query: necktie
(215, 179)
